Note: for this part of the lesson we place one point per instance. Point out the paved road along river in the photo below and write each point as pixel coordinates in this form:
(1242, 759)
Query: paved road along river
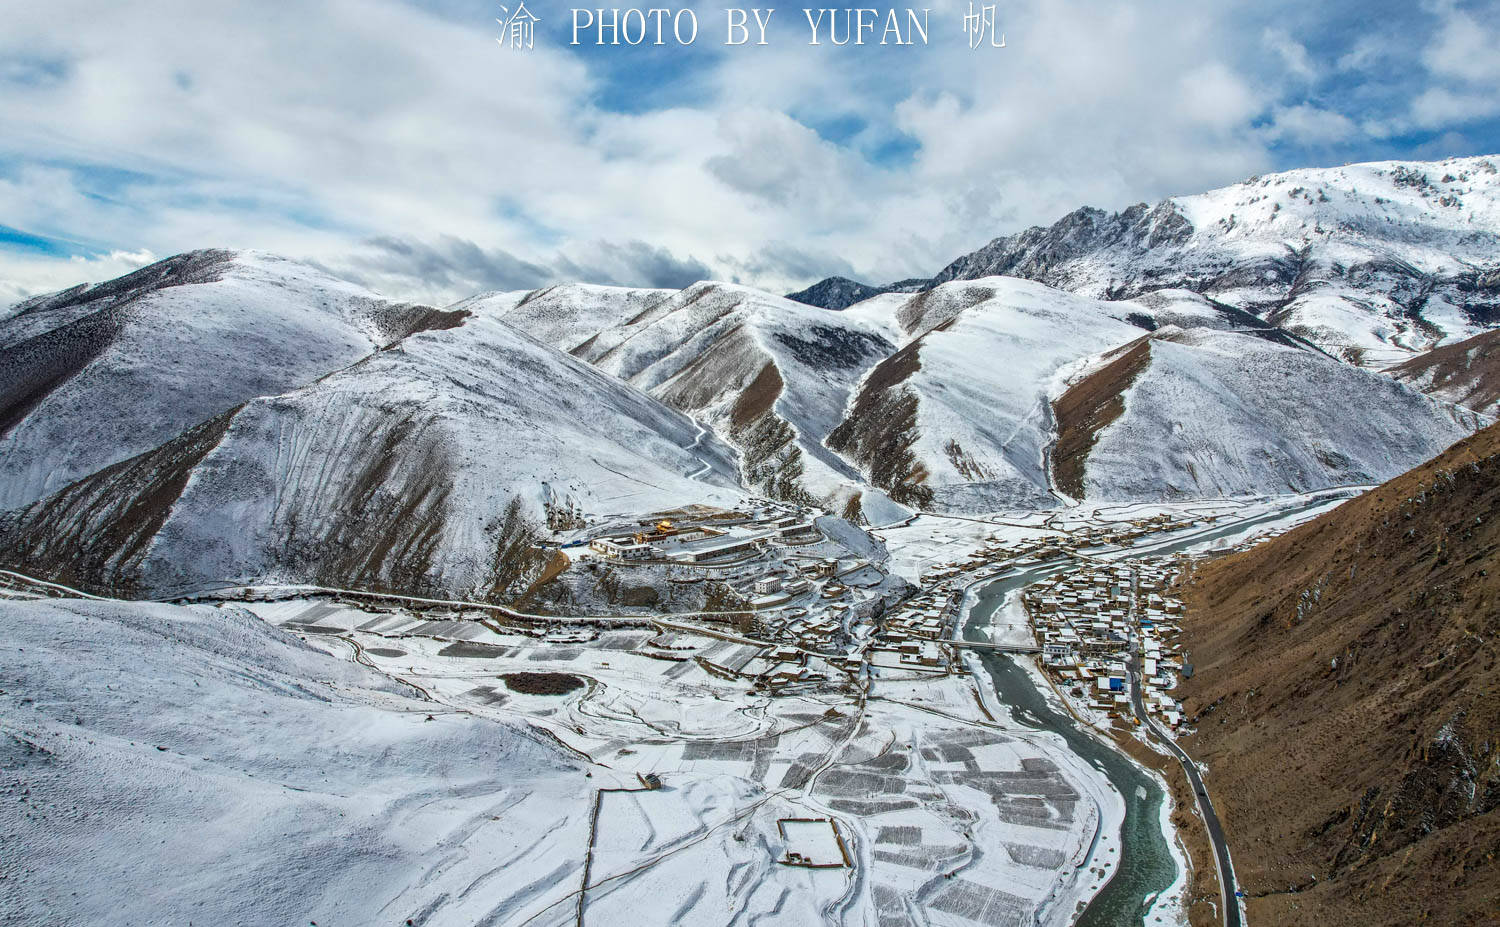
(1146, 867)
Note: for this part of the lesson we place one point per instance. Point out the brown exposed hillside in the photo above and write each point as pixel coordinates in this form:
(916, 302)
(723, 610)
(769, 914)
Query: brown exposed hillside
(93, 533)
(1088, 406)
(882, 426)
(1347, 702)
(733, 365)
(1466, 372)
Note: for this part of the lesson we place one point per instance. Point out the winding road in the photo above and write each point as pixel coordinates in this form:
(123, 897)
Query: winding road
(698, 443)
(1229, 902)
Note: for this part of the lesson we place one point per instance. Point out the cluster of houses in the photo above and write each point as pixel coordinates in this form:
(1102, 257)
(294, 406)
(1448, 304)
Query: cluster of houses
(1086, 621)
(1090, 622)
(998, 553)
(910, 637)
(782, 668)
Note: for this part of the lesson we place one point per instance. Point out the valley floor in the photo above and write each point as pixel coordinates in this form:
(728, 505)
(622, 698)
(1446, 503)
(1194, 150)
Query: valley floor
(660, 782)
(947, 816)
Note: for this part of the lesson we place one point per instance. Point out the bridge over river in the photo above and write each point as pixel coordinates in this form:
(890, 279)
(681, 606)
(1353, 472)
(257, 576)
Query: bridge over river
(994, 648)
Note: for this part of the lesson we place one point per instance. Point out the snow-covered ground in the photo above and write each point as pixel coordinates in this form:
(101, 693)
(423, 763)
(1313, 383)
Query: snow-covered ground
(293, 428)
(172, 765)
(392, 764)
(989, 356)
(919, 781)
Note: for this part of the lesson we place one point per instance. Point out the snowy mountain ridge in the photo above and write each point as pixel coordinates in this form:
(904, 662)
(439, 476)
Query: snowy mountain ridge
(770, 375)
(251, 418)
(1374, 262)
(398, 472)
(131, 363)
(964, 416)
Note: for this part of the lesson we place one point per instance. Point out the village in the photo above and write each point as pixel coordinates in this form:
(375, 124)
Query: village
(831, 619)
(813, 607)
(1091, 623)
(827, 714)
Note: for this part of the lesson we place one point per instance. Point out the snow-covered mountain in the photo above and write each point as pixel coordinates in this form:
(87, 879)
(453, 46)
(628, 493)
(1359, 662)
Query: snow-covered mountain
(959, 418)
(1372, 262)
(769, 374)
(227, 417)
(567, 315)
(96, 374)
(964, 415)
(1466, 372)
(841, 292)
(398, 472)
(1203, 413)
(202, 766)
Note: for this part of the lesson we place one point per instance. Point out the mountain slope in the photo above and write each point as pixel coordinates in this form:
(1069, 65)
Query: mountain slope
(1345, 698)
(840, 292)
(399, 472)
(1213, 413)
(770, 375)
(958, 417)
(93, 375)
(202, 766)
(1466, 372)
(1372, 262)
(962, 416)
(567, 315)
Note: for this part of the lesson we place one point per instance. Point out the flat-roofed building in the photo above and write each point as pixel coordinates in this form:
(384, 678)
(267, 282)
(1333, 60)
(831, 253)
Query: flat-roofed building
(621, 549)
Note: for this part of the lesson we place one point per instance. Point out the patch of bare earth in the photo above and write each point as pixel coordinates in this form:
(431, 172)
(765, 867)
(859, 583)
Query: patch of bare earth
(1467, 371)
(541, 683)
(1087, 408)
(93, 533)
(881, 428)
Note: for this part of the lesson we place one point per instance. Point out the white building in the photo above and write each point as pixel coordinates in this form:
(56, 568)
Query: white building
(621, 549)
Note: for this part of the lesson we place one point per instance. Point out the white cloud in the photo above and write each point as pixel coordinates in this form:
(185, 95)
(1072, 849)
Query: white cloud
(1311, 125)
(1458, 82)
(355, 132)
(1464, 46)
(1292, 53)
(21, 277)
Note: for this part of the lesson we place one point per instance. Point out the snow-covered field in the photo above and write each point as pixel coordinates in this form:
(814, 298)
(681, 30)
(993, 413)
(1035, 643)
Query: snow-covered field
(918, 780)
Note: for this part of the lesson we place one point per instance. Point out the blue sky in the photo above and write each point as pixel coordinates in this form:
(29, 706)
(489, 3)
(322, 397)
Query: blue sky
(397, 143)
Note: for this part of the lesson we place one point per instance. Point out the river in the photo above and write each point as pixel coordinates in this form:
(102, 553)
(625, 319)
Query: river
(1147, 867)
